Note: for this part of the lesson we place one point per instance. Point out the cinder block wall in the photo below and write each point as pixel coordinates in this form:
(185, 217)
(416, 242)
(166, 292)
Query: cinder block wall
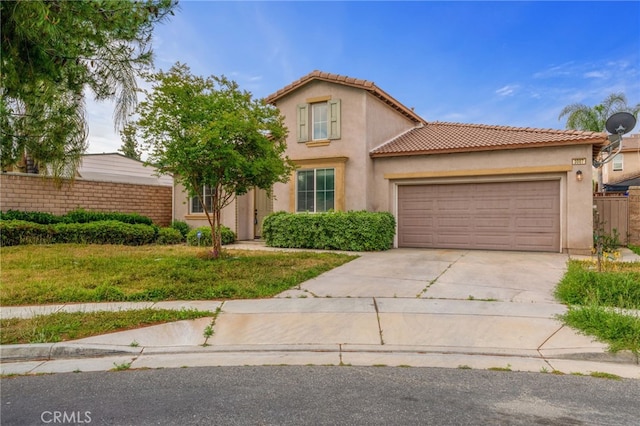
(25, 192)
(634, 215)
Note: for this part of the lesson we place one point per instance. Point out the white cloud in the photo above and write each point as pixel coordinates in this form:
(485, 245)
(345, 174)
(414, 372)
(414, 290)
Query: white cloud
(596, 74)
(561, 70)
(507, 90)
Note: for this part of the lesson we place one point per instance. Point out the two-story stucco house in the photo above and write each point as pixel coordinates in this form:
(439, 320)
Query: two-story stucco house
(624, 169)
(449, 185)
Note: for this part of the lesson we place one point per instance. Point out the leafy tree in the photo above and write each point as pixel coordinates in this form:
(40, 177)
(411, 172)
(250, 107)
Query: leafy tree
(129, 145)
(583, 117)
(207, 132)
(52, 51)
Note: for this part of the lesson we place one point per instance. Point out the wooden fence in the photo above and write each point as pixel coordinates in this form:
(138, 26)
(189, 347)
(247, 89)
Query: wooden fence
(613, 212)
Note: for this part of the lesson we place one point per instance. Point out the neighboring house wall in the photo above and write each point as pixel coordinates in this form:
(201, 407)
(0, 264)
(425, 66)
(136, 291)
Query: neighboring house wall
(28, 192)
(114, 167)
(629, 160)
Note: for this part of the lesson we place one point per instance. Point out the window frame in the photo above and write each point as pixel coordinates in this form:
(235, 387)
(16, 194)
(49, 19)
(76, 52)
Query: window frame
(315, 190)
(205, 193)
(618, 159)
(321, 122)
(306, 117)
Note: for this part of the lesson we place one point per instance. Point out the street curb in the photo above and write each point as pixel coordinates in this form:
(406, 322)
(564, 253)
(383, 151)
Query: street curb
(57, 351)
(51, 351)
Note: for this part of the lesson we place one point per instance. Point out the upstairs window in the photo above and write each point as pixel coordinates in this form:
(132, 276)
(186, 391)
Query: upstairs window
(617, 163)
(318, 121)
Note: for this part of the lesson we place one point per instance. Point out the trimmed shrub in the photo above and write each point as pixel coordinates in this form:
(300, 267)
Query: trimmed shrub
(104, 232)
(34, 217)
(83, 216)
(169, 236)
(16, 232)
(228, 236)
(181, 226)
(350, 231)
(76, 216)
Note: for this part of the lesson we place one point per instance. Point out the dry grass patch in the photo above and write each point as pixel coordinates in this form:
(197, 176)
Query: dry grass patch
(39, 274)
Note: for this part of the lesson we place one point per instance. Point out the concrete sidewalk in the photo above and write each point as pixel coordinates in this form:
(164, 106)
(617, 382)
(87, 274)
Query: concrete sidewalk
(423, 308)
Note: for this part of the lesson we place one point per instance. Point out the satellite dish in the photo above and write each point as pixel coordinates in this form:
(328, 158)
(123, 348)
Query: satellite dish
(620, 123)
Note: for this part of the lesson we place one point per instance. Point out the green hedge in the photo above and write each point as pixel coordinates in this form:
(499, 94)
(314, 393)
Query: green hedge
(228, 236)
(351, 231)
(169, 236)
(181, 226)
(75, 216)
(15, 232)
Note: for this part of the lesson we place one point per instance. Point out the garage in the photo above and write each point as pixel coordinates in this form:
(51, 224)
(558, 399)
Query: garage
(519, 216)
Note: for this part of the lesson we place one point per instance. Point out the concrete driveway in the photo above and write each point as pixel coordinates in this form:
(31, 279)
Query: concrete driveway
(442, 274)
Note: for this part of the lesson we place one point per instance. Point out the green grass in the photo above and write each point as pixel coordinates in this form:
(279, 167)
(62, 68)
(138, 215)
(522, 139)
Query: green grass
(62, 273)
(618, 285)
(592, 297)
(635, 249)
(63, 326)
(621, 332)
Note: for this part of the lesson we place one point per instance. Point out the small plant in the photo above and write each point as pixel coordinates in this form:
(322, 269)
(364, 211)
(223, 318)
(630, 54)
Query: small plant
(464, 367)
(121, 367)
(134, 344)
(507, 368)
(602, 375)
(544, 370)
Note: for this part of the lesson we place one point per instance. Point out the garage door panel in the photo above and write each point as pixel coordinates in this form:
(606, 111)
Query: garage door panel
(500, 216)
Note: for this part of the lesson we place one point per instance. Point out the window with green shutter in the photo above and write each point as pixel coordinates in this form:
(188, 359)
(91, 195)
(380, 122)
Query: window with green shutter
(318, 121)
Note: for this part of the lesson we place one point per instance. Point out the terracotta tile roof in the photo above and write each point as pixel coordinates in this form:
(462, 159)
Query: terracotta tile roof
(631, 143)
(369, 86)
(441, 137)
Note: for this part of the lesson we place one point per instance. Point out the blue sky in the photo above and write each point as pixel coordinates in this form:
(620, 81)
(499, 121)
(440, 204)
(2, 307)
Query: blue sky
(503, 63)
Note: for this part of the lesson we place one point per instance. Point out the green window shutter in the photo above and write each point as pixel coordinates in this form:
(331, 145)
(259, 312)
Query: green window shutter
(334, 119)
(303, 119)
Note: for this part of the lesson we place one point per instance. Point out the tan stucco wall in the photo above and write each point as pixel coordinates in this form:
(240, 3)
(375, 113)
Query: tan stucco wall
(365, 123)
(181, 211)
(522, 164)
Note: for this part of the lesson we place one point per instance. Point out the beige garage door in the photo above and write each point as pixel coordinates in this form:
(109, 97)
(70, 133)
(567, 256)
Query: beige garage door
(495, 216)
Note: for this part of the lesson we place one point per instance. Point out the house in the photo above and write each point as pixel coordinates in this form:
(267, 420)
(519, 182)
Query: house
(115, 167)
(449, 185)
(624, 169)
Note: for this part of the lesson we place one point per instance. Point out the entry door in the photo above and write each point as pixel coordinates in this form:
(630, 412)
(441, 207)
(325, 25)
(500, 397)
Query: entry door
(263, 205)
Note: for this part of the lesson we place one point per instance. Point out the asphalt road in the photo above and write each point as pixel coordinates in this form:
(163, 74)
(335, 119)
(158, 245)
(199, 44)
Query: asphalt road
(281, 395)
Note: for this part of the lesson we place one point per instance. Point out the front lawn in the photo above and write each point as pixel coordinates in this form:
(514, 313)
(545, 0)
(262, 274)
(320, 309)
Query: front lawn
(596, 300)
(63, 273)
(63, 326)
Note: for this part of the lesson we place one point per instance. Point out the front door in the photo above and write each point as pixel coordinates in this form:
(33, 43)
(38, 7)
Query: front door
(263, 205)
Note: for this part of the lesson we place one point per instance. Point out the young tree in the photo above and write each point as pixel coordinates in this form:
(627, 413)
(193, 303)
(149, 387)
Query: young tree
(209, 133)
(51, 52)
(129, 147)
